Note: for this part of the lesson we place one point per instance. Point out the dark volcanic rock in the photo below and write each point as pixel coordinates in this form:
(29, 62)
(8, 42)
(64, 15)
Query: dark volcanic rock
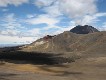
(83, 29)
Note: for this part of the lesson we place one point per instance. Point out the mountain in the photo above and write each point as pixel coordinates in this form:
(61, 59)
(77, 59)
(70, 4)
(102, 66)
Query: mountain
(66, 56)
(83, 29)
(68, 41)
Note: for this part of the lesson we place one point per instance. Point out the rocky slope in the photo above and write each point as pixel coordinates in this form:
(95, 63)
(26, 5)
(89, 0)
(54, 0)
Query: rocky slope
(70, 42)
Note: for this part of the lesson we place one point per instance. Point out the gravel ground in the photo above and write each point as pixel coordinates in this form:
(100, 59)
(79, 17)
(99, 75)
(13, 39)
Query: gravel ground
(82, 69)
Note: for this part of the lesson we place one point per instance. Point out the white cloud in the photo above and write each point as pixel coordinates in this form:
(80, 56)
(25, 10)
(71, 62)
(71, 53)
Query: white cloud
(100, 14)
(15, 39)
(49, 29)
(72, 8)
(43, 3)
(42, 19)
(51, 7)
(103, 27)
(35, 32)
(10, 22)
(11, 25)
(75, 9)
(5, 10)
(31, 15)
(78, 8)
(67, 28)
(10, 32)
(42, 31)
(90, 19)
(53, 10)
(46, 19)
(5, 3)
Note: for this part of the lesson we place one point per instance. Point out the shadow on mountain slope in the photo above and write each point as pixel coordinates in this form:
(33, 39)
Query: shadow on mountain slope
(33, 57)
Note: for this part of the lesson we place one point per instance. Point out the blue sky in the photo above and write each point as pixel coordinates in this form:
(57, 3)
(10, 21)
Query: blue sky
(24, 21)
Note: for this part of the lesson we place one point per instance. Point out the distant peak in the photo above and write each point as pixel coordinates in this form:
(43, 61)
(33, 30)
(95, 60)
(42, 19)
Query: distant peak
(83, 29)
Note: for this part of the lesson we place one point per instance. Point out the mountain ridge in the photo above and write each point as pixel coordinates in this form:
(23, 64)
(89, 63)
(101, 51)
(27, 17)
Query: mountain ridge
(69, 42)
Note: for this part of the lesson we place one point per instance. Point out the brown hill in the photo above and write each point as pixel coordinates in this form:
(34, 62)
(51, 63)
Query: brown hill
(70, 42)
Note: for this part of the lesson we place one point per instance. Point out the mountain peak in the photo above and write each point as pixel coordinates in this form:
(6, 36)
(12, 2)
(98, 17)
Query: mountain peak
(83, 29)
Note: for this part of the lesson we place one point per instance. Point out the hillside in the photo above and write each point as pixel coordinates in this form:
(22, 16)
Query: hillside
(70, 42)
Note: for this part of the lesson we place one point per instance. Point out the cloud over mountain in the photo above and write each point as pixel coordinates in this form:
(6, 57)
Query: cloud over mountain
(75, 9)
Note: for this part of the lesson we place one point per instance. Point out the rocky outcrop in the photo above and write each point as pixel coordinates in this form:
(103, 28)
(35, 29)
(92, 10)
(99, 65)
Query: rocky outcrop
(83, 29)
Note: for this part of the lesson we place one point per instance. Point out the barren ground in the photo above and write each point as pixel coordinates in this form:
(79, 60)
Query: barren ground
(91, 68)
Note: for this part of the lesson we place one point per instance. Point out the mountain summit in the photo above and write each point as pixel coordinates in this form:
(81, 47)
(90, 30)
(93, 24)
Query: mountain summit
(83, 29)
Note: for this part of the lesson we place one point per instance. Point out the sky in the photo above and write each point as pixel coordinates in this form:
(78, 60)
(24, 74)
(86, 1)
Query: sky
(24, 21)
